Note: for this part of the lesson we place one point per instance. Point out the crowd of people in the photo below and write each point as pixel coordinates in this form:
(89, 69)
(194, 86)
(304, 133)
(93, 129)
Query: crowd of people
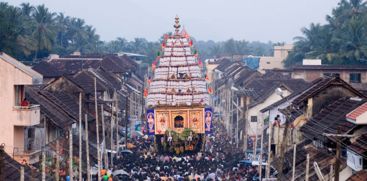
(218, 161)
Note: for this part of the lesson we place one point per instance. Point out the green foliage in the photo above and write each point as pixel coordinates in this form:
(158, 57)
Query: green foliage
(211, 49)
(31, 33)
(343, 40)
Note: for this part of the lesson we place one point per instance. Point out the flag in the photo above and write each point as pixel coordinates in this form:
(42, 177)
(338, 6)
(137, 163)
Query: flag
(145, 92)
(210, 90)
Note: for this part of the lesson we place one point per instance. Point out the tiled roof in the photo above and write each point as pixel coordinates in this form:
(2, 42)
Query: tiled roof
(289, 97)
(330, 67)
(52, 107)
(224, 64)
(263, 88)
(359, 145)
(316, 155)
(331, 119)
(11, 169)
(85, 79)
(47, 70)
(359, 176)
(245, 75)
(357, 112)
(72, 65)
(320, 84)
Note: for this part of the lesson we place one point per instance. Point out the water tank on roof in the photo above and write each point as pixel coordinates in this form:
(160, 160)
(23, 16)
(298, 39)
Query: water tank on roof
(252, 62)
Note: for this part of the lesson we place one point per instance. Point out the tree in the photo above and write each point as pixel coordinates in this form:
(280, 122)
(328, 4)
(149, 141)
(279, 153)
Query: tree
(44, 33)
(343, 40)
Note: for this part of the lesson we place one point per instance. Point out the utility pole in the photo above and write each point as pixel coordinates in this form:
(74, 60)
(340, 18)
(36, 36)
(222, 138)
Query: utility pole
(126, 119)
(237, 115)
(21, 173)
(117, 130)
(80, 138)
(111, 133)
(337, 154)
(43, 164)
(269, 148)
(294, 162)
(261, 151)
(283, 147)
(255, 143)
(87, 147)
(307, 167)
(71, 174)
(331, 172)
(337, 161)
(57, 174)
(104, 139)
(97, 129)
(247, 102)
(43, 152)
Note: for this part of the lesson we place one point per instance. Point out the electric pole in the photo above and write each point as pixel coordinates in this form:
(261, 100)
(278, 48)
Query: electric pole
(97, 129)
(87, 147)
(283, 147)
(80, 137)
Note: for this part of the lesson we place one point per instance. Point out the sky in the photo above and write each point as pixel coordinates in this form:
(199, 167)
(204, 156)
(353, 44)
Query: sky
(219, 20)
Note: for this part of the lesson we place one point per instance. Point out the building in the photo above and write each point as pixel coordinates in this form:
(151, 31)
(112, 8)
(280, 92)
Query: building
(107, 68)
(277, 60)
(178, 94)
(320, 109)
(227, 75)
(261, 93)
(355, 75)
(18, 114)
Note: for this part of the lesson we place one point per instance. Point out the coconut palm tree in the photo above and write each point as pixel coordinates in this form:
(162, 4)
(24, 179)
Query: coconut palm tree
(44, 33)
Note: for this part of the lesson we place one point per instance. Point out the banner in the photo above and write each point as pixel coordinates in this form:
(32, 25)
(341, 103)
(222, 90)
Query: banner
(150, 122)
(196, 121)
(208, 117)
(162, 121)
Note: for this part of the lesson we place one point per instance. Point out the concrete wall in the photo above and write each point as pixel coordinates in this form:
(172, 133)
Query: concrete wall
(266, 63)
(210, 69)
(311, 75)
(9, 76)
(276, 61)
(256, 127)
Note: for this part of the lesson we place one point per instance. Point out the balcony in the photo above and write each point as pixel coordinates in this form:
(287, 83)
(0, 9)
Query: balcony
(26, 156)
(27, 115)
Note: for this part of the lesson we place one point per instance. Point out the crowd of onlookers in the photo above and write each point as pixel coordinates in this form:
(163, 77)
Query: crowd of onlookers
(218, 161)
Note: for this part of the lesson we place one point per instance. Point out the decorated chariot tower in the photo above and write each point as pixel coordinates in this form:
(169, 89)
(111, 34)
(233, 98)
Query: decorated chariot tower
(177, 96)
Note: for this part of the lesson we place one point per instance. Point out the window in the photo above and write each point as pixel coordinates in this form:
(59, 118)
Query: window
(355, 78)
(253, 118)
(179, 122)
(331, 74)
(19, 94)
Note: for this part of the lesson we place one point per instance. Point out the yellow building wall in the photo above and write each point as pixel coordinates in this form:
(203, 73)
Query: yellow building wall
(193, 119)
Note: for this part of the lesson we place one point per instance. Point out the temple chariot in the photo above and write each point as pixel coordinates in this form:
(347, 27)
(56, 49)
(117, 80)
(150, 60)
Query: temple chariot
(177, 97)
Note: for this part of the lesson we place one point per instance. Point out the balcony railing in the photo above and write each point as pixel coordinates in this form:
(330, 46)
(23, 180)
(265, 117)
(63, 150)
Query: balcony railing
(26, 156)
(27, 115)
